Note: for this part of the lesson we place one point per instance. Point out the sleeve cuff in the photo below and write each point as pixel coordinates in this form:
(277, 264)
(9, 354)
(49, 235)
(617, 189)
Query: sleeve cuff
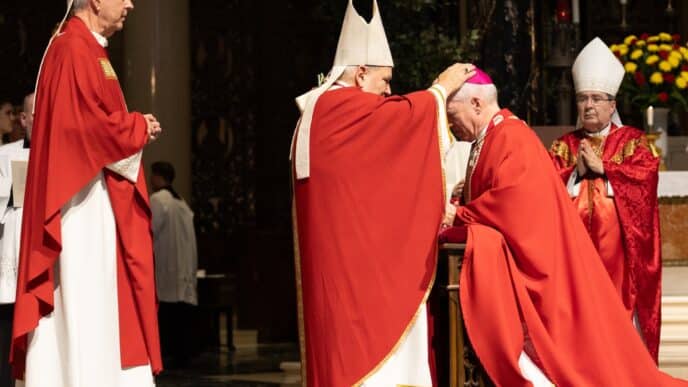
(440, 89)
(128, 168)
(573, 185)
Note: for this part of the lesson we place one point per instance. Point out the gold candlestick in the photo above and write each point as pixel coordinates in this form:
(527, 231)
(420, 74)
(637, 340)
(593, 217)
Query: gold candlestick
(652, 136)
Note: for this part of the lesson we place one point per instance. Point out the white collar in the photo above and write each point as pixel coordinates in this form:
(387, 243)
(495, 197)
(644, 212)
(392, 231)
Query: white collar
(602, 133)
(102, 40)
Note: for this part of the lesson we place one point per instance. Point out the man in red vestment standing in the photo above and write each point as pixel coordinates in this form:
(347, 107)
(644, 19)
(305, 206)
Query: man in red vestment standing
(612, 175)
(85, 310)
(536, 299)
(369, 198)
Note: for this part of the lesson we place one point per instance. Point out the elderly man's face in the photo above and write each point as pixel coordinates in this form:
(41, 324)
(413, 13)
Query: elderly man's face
(375, 80)
(112, 14)
(595, 110)
(7, 117)
(462, 119)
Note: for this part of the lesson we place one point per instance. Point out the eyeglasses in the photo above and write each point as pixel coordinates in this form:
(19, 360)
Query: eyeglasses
(595, 99)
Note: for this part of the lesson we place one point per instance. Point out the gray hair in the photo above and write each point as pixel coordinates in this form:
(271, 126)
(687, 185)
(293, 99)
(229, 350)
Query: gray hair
(487, 93)
(349, 73)
(79, 4)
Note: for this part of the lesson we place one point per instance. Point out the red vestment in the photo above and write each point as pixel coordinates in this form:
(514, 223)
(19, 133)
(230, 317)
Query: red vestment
(81, 125)
(626, 229)
(531, 270)
(367, 221)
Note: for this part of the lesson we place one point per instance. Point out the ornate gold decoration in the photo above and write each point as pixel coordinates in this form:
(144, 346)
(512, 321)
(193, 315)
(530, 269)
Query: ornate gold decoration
(652, 137)
(597, 144)
(561, 150)
(629, 148)
(108, 71)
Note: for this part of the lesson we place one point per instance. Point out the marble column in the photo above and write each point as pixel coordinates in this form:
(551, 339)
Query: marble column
(157, 77)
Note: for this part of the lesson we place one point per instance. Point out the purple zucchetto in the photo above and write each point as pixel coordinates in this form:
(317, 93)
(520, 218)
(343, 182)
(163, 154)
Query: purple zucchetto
(480, 78)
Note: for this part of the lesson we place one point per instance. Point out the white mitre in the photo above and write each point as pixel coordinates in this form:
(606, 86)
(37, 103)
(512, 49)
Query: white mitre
(597, 69)
(360, 43)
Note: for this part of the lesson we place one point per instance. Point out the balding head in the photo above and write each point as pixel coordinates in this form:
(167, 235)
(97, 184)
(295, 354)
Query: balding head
(470, 109)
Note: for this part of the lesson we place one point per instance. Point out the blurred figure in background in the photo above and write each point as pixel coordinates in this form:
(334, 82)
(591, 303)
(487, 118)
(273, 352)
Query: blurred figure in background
(10, 232)
(7, 119)
(176, 262)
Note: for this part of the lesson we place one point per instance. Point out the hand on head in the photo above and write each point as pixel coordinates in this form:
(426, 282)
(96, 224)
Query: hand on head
(154, 128)
(455, 75)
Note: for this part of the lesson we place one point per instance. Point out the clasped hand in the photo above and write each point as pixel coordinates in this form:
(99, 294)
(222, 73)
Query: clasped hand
(588, 160)
(154, 128)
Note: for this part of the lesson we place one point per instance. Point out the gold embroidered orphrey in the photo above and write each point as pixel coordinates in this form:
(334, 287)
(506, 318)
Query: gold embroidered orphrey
(108, 71)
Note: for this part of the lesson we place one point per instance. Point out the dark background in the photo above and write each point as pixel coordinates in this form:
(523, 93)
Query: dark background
(251, 59)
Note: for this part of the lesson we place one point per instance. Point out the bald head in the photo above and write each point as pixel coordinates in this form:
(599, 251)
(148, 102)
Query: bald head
(470, 109)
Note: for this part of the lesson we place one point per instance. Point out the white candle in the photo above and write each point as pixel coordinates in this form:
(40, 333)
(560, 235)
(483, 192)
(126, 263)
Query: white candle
(575, 11)
(650, 116)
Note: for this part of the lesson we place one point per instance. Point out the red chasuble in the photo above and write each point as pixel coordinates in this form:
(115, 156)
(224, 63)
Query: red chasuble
(531, 271)
(624, 228)
(82, 125)
(367, 221)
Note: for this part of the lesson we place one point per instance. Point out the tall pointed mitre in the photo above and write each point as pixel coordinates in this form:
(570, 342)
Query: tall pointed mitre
(596, 68)
(360, 43)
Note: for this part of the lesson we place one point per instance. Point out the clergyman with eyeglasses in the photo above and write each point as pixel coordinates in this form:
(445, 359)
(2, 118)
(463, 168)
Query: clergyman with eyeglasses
(611, 173)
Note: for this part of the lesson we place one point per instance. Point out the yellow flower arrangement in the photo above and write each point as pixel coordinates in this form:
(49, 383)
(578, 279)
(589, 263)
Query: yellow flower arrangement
(656, 69)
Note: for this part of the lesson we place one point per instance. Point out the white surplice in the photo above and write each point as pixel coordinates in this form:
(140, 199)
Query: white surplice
(456, 163)
(77, 345)
(10, 222)
(174, 240)
(409, 365)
